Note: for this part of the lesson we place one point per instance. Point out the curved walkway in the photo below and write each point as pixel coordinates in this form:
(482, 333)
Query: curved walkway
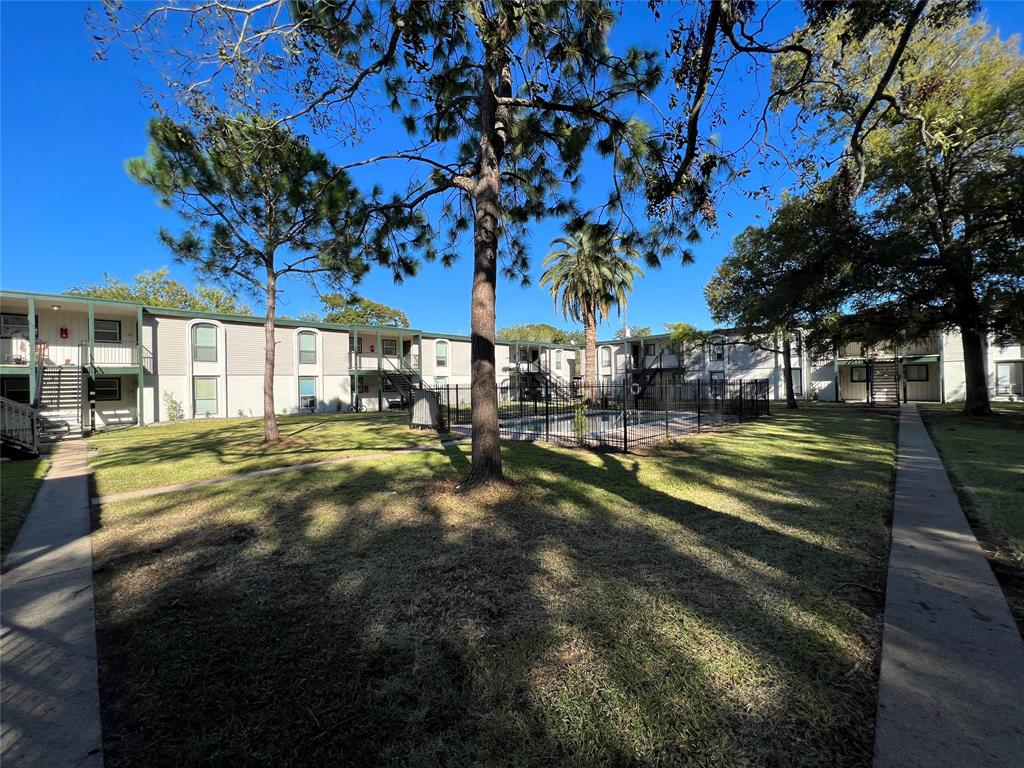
(951, 689)
(49, 695)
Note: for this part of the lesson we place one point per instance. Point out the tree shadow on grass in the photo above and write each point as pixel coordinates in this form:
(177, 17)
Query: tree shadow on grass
(582, 616)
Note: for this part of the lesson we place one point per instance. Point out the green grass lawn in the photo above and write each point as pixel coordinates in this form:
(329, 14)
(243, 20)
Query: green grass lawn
(19, 481)
(985, 456)
(195, 450)
(714, 602)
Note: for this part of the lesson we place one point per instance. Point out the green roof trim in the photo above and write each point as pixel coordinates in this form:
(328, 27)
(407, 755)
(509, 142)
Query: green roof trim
(256, 320)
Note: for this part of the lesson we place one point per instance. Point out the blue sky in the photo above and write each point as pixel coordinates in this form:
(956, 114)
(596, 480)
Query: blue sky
(69, 213)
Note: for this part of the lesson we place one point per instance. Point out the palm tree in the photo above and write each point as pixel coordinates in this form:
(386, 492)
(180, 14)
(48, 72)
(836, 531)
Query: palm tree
(588, 273)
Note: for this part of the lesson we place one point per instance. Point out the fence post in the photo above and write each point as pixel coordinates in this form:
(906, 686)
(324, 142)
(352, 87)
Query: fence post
(547, 415)
(665, 402)
(625, 426)
(741, 402)
(698, 404)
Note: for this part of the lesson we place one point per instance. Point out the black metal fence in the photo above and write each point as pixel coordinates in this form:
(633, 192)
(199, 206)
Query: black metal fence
(616, 417)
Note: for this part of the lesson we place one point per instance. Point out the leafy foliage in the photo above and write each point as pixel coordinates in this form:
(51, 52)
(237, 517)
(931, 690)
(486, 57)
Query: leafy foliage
(157, 289)
(943, 228)
(632, 331)
(357, 310)
(541, 332)
(588, 273)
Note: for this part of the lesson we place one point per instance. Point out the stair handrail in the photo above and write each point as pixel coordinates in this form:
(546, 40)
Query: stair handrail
(19, 423)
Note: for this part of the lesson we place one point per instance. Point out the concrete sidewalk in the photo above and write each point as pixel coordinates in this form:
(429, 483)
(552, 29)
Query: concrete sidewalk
(49, 695)
(951, 691)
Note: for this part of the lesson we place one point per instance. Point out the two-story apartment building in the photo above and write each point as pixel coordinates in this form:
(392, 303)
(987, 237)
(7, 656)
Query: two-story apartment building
(94, 363)
(723, 356)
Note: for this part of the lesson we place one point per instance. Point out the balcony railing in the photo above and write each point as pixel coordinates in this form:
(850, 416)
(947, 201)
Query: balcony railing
(116, 354)
(14, 351)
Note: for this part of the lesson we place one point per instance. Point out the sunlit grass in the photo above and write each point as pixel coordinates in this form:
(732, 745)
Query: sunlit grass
(707, 603)
(165, 454)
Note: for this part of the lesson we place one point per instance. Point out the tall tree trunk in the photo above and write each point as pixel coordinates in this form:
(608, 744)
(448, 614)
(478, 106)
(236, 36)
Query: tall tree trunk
(787, 369)
(270, 431)
(590, 338)
(975, 379)
(486, 445)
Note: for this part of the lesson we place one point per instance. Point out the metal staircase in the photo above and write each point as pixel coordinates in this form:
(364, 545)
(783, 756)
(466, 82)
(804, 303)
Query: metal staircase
(403, 377)
(19, 427)
(60, 400)
(550, 382)
(883, 382)
(644, 374)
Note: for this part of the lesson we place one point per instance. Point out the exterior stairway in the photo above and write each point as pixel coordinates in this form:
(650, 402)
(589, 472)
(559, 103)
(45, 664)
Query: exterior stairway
(884, 385)
(644, 375)
(404, 377)
(60, 401)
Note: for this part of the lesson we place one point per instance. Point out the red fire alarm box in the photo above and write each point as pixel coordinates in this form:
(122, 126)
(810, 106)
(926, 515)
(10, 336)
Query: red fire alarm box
(63, 333)
(372, 348)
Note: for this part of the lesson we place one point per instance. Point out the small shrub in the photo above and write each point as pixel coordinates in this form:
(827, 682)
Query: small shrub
(175, 411)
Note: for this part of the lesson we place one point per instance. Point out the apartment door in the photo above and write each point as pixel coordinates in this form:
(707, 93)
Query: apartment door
(637, 352)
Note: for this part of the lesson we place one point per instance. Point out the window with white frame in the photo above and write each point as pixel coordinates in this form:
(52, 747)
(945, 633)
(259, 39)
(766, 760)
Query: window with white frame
(558, 359)
(359, 345)
(649, 350)
(916, 372)
(1010, 378)
(307, 393)
(389, 347)
(441, 354)
(307, 348)
(204, 343)
(606, 357)
(718, 351)
(440, 381)
(107, 388)
(859, 373)
(107, 331)
(204, 395)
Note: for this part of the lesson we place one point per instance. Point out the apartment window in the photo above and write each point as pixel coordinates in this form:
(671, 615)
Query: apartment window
(307, 348)
(389, 385)
(108, 331)
(204, 343)
(558, 359)
(16, 326)
(606, 357)
(16, 389)
(204, 395)
(859, 373)
(649, 350)
(359, 345)
(389, 347)
(107, 389)
(307, 393)
(441, 354)
(440, 381)
(1010, 378)
(916, 373)
(718, 351)
(523, 355)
